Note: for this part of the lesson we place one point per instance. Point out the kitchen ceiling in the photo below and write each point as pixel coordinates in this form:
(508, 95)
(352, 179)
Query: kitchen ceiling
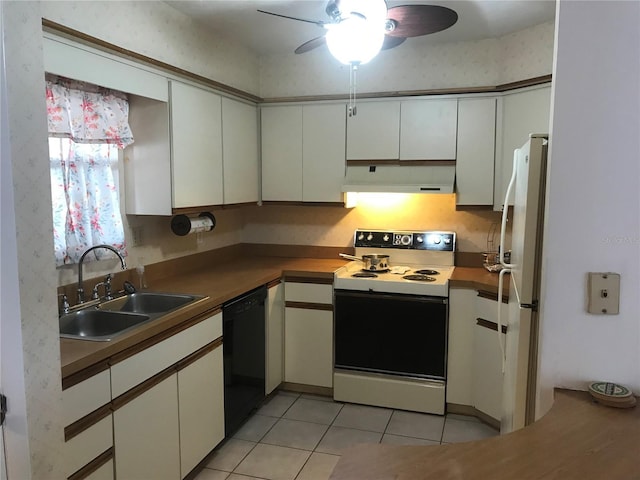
(269, 35)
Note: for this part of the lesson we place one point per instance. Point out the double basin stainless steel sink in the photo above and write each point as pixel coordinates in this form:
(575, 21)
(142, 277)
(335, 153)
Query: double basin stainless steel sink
(111, 318)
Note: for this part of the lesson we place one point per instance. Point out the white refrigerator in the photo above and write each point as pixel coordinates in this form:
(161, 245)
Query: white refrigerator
(520, 348)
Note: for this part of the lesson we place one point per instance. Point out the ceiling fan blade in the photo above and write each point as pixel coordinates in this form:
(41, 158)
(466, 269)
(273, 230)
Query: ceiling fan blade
(315, 22)
(416, 20)
(392, 42)
(311, 44)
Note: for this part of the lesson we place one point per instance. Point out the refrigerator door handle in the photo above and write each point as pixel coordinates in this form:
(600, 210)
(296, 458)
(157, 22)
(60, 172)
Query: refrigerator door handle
(533, 305)
(505, 208)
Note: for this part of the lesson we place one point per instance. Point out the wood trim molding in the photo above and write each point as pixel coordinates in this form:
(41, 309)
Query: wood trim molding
(401, 163)
(141, 388)
(492, 296)
(209, 208)
(309, 306)
(473, 412)
(482, 322)
(303, 204)
(86, 422)
(84, 374)
(57, 28)
(198, 354)
(305, 279)
(149, 342)
(93, 465)
(273, 283)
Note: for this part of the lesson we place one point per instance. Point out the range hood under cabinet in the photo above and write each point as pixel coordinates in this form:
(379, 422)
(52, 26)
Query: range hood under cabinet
(436, 178)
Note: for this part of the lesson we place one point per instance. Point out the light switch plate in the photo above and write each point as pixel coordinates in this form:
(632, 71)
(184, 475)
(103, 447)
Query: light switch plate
(604, 293)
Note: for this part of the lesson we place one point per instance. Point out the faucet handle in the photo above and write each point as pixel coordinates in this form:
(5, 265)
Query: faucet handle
(107, 288)
(65, 303)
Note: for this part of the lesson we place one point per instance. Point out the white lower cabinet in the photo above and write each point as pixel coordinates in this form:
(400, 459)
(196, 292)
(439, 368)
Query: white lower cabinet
(274, 337)
(201, 408)
(308, 333)
(146, 434)
(474, 368)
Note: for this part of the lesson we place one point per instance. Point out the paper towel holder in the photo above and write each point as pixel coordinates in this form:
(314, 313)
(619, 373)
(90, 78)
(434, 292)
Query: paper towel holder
(183, 225)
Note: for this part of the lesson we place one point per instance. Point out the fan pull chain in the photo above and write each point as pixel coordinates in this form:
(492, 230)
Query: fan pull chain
(353, 110)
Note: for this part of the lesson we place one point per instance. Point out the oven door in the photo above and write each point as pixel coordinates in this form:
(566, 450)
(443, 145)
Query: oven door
(391, 333)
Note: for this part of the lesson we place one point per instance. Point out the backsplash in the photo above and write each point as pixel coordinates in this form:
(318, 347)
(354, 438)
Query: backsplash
(334, 226)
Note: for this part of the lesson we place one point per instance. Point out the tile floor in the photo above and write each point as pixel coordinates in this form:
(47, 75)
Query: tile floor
(301, 437)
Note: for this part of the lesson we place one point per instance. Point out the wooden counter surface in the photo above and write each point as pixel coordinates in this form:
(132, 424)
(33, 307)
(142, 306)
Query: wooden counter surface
(478, 279)
(577, 439)
(218, 284)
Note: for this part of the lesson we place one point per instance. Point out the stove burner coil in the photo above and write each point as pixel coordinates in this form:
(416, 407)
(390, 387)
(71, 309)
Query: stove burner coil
(419, 278)
(427, 272)
(364, 275)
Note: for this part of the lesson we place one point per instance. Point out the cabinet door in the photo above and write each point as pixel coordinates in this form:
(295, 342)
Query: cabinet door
(146, 434)
(323, 152)
(147, 161)
(476, 151)
(240, 152)
(201, 404)
(374, 133)
(428, 129)
(308, 347)
(282, 153)
(196, 144)
(460, 346)
(487, 371)
(522, 113)
(275, 337)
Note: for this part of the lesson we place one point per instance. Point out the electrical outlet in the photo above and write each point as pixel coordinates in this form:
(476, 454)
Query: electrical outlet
(604, 293)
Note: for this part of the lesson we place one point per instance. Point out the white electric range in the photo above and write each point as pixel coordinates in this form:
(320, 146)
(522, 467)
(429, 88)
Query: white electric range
(391, 326)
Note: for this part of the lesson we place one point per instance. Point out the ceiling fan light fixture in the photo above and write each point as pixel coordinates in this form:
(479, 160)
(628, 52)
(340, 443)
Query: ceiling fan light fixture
(355, 40)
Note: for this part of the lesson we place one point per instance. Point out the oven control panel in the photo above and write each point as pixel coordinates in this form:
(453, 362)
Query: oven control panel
(429, 240)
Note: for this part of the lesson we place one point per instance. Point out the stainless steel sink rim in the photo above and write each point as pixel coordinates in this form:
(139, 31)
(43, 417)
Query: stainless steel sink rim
(112, 310)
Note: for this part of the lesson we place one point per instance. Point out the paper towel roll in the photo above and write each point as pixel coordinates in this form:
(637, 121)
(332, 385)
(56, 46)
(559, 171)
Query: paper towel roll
(183, 225)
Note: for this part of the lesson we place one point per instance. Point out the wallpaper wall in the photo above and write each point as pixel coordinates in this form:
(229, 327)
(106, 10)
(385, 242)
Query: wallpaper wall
(413, 66)
(334, 226)
(159, 31)
(28, 156)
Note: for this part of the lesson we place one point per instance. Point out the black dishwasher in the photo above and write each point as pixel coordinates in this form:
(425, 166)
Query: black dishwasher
(243, 332)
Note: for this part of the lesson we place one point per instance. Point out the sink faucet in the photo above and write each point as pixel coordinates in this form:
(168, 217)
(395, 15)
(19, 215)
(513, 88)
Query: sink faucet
(108, 247)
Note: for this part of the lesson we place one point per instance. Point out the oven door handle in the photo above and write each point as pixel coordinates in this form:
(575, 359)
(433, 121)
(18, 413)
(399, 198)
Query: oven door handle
(405, 298)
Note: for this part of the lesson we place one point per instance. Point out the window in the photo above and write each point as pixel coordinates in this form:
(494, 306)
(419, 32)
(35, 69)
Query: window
(87, 125)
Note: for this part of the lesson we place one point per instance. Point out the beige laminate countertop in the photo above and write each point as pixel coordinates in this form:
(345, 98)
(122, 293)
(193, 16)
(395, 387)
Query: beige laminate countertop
(219, 283)
(578, 439)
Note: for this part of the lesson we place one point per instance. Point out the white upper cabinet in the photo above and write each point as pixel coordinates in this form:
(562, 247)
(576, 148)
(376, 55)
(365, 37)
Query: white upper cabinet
(522, 113)
(303, 152)
(476, 151)
(282, 153)
(428, 129)
(196, 145)
(240, 152)
(323, 147)
(374, 133)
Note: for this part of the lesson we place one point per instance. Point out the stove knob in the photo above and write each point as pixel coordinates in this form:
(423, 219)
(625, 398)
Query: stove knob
(385, 238)
(435, 239)
(361, 236)
(447, 240)
(369, 237)
(420, 239)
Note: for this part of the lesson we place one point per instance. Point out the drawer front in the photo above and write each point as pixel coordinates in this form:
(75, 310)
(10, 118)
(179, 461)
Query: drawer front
(136, 369)
(87, 445)
(85, 397)
(488, 310)
(308, 292)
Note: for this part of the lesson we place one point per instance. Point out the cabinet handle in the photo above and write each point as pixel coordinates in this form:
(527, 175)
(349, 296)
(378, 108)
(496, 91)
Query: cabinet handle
(490, 325)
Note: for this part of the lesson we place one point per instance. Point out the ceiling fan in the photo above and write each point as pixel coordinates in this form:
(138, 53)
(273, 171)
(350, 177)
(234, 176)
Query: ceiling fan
(348, 18)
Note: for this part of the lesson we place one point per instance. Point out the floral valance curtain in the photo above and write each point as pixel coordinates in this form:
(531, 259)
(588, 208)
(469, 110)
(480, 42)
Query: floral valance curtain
(85, 116)
(87, 125)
